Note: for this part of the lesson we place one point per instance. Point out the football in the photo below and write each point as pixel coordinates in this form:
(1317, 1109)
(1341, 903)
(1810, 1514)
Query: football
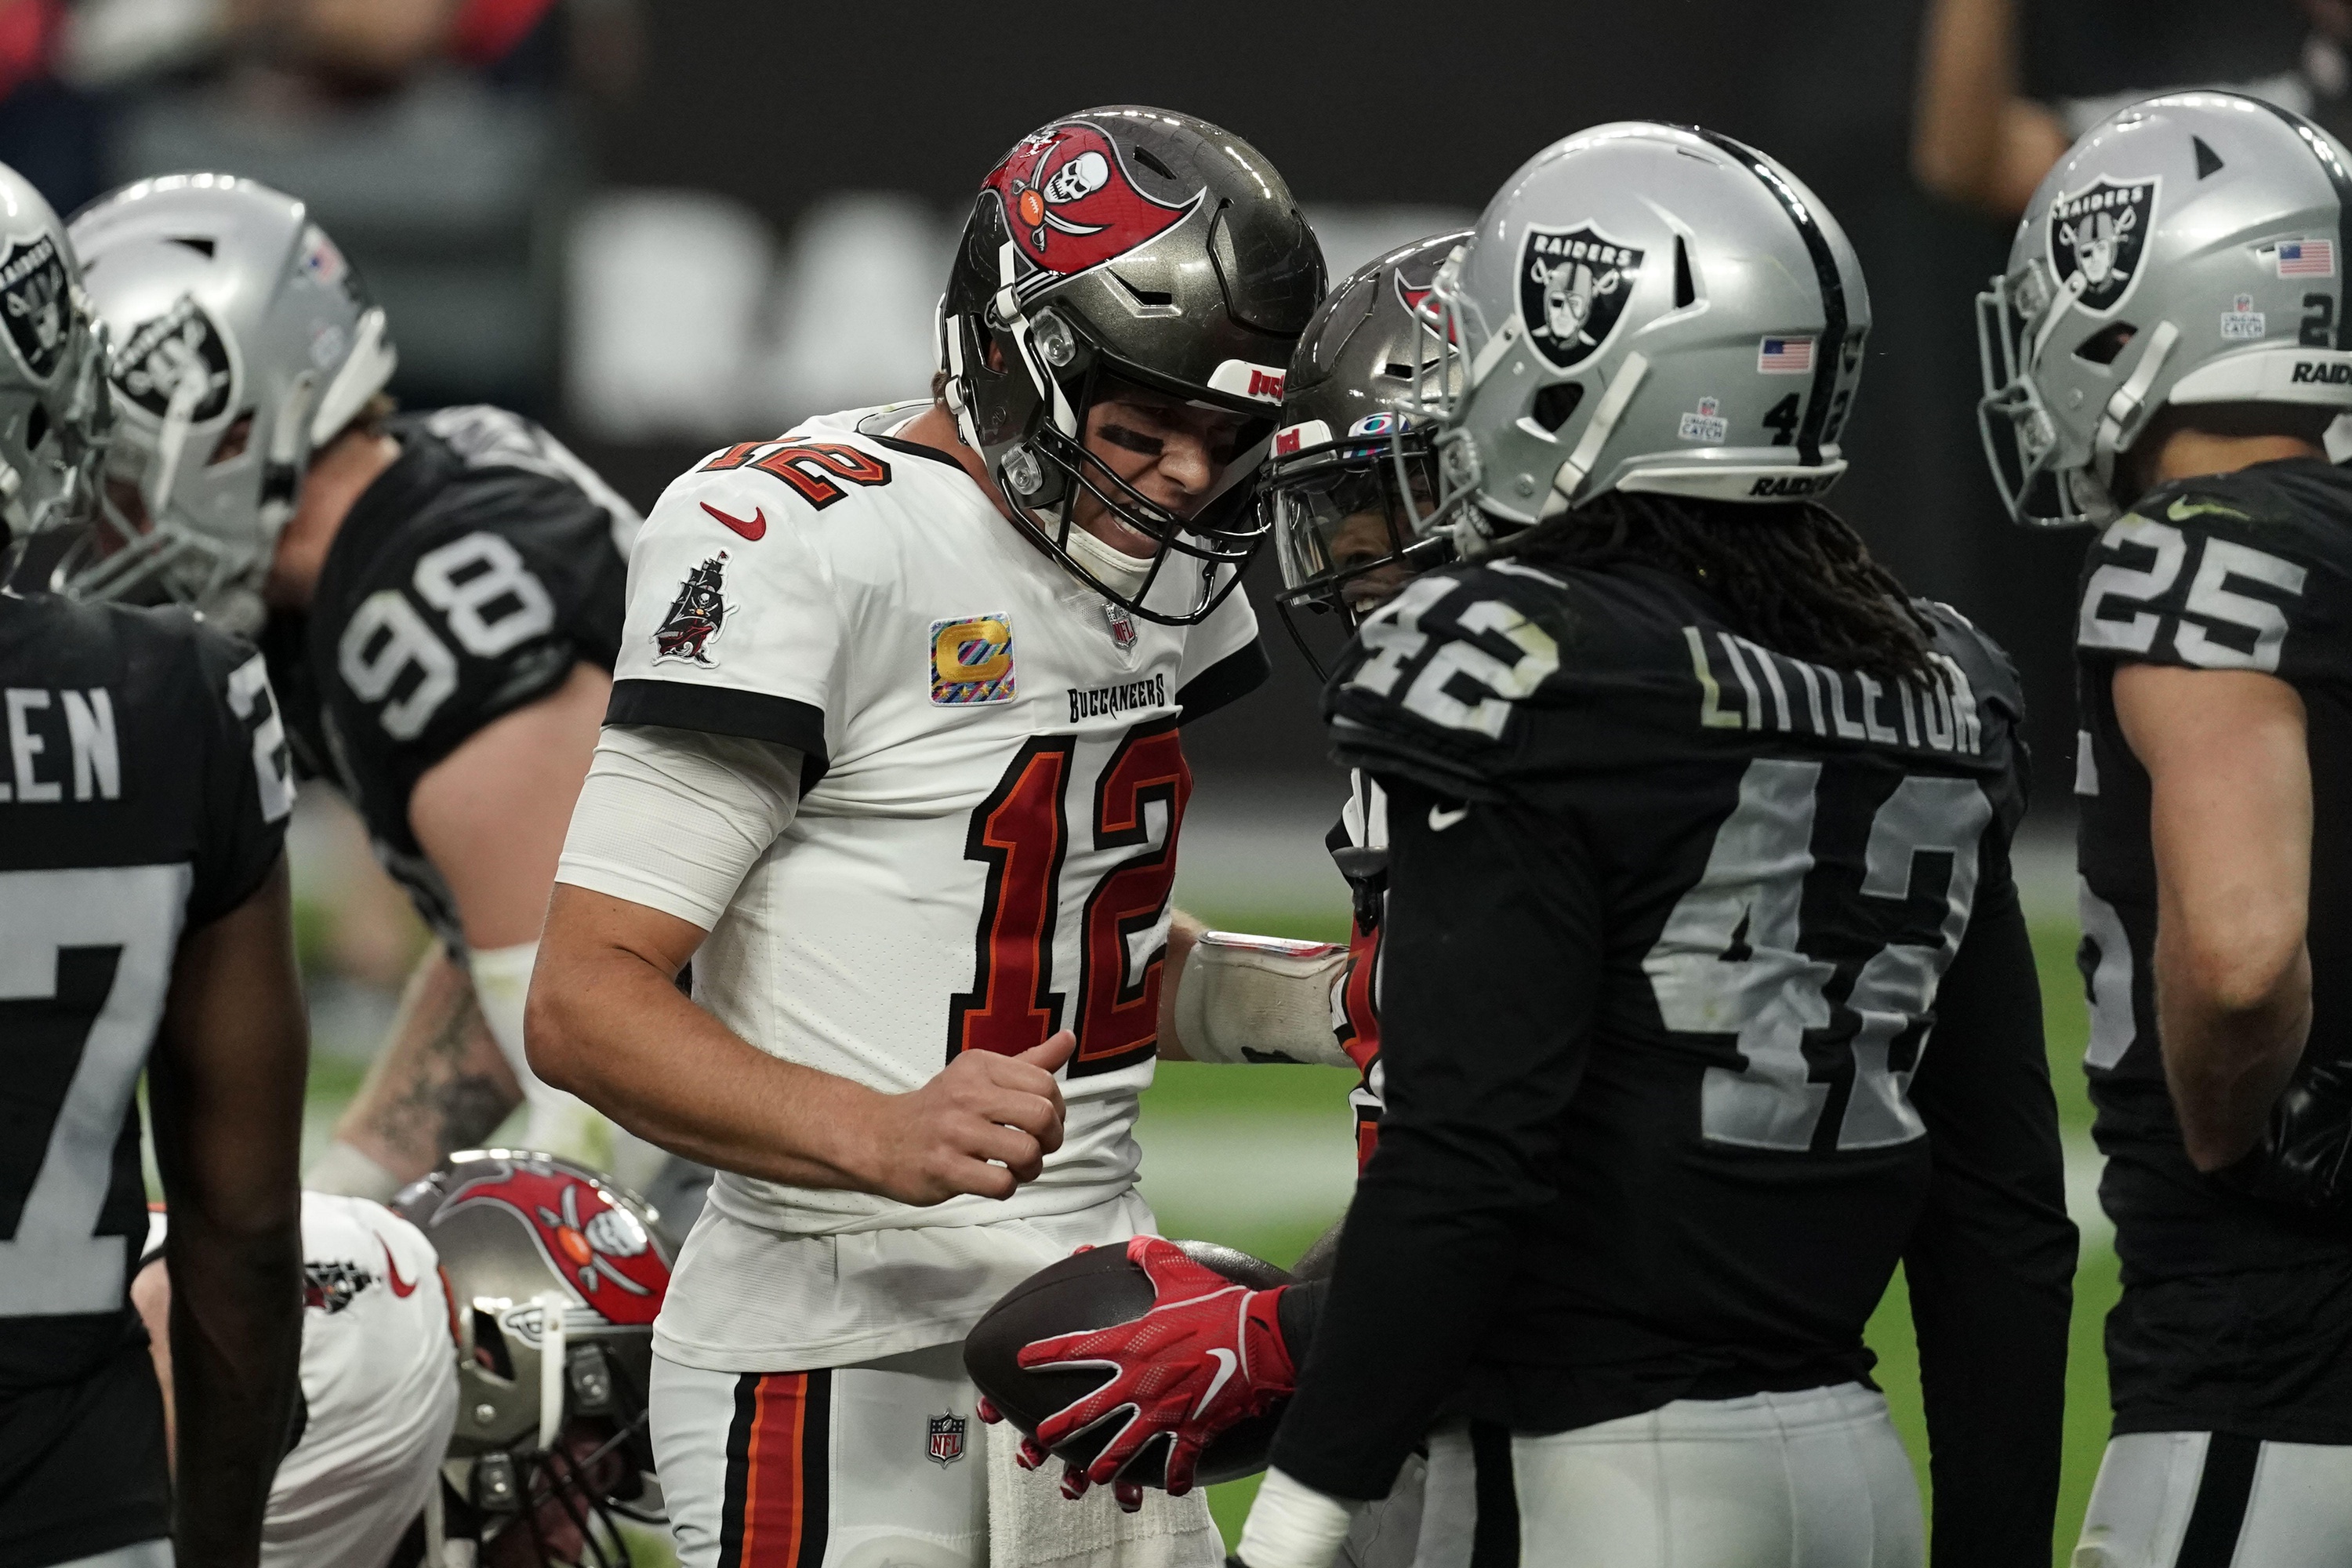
(1094, 1290)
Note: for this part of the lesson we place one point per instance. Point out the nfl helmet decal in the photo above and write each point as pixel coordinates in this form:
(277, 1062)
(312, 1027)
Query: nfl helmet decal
(1573, 285)
(1070, 203)
(584, 1236)
(33, 285)
(2099, 232)
(180, 349)
(695, 617)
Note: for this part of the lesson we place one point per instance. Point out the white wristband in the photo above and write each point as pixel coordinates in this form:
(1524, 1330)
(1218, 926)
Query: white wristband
(349, 1171)
(558, 1124)
(1292, 1525)
(1259, 998)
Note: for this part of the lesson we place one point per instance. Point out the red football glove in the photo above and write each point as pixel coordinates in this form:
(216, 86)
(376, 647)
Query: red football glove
(1208, 1354)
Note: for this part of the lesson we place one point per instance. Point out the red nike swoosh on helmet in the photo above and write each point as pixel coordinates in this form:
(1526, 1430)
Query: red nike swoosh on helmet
(400, 1287)
(754, 529)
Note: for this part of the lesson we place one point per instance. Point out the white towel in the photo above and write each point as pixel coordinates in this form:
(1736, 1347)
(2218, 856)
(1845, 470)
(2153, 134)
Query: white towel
(1031, 1525)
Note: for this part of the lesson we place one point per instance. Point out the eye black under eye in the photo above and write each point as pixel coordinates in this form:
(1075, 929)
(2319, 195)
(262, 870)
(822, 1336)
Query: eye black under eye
(1133, 440)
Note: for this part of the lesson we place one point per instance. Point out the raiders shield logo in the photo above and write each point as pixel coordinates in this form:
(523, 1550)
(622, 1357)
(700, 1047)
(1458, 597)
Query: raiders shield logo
(695, 617)
(179, 353)
(2099, 232)
(1573, 285)
(33, 294)
(946, 1440)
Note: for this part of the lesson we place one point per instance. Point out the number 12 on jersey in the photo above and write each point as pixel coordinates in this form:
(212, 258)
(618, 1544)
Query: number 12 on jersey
(1021, 833)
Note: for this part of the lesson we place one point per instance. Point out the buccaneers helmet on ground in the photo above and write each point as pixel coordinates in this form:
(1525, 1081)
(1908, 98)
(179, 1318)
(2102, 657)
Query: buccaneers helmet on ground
(555, 1277)
(1127, 243)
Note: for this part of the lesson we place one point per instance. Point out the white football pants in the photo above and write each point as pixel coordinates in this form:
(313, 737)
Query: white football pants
(1812, 1480)
(881, 1464)
(2200, 1500)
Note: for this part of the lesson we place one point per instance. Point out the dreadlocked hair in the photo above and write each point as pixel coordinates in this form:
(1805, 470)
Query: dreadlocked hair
(1791, 575)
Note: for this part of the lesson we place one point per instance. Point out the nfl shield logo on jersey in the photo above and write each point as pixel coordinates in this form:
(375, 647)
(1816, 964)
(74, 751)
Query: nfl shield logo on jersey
(947, 1439)
(695, 617)
(972, 661)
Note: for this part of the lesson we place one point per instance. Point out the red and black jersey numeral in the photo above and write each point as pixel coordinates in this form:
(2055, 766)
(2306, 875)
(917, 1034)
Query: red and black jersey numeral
(1119, 1001)
(813, 467)
(1020, 833)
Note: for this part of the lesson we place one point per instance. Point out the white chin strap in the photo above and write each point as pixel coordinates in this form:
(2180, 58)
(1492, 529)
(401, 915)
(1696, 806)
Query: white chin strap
(2124, 408)
(364, 371)
(1115, 568)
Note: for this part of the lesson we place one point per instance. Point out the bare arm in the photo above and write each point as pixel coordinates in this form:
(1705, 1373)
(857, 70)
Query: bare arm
(225, 1091)
(1976, 139)
(2230, 819)
(607, 1021)
(439, 1084)
(491, 815)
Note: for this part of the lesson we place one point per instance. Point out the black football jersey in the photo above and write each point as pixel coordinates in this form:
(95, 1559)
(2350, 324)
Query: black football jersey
(145, 786)
(1695, 963)
(2237, 1313)
(464, 582)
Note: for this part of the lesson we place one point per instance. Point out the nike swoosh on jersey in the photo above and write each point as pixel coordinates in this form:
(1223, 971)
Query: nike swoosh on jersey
(755, 529)
(1440, 819)
(402, 1288)
(1226, 1362)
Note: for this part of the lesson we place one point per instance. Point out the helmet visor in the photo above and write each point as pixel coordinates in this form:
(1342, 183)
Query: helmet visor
(1342, 522)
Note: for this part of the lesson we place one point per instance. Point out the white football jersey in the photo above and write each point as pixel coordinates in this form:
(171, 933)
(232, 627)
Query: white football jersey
(379, 1387)
(988, 825)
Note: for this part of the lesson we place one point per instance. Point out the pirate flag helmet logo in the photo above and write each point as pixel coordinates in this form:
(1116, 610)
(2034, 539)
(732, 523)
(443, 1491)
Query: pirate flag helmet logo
(592, 1243)
(1070, 203)
(34, 297)
(2097, 234)
(1573, 286)
(695, 617)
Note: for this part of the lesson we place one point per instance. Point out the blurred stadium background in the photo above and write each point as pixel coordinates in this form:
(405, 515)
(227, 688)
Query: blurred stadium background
(663, 227)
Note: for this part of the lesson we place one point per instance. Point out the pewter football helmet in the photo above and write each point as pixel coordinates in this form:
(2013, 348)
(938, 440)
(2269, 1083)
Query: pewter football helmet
(242, 340)
(53, 409)
(555, 1277)
(1643, 306)
(2188, 249)
(1351, 457)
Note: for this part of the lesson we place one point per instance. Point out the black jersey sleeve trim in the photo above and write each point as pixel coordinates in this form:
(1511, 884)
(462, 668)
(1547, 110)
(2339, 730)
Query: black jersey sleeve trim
(1236, 675)
(725, 711)
(1825, 273)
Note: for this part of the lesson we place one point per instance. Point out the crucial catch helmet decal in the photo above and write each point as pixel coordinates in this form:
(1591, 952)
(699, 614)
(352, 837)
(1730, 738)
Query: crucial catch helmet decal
(2099, 232)
(588, 1240)
(1070, 203)
(1573, 285)
(178, 350)
(33, 294)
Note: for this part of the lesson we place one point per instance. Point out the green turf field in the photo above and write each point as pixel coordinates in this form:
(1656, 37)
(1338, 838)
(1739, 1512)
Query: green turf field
(1274, 1108)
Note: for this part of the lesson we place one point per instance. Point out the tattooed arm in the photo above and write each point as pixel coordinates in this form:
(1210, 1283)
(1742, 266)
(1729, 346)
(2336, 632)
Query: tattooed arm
(440, 1083)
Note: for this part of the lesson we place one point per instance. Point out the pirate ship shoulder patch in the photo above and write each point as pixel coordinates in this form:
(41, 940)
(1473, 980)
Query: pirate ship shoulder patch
(695, 617)
(2099, 232)
(1573, 286)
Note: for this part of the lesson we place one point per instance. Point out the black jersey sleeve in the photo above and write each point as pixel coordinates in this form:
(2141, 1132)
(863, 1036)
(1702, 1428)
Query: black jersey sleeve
(1494, 916)
(1991, 1261)
(247, 775)
(2228, 571)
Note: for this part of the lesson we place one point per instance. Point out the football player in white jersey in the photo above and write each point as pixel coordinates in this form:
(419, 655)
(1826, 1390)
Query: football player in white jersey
(893, 755)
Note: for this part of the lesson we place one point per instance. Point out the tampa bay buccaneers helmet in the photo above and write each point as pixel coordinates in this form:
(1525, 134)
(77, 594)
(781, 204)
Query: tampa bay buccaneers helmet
(1130, 244)
(555, 1277)
(1351, 457)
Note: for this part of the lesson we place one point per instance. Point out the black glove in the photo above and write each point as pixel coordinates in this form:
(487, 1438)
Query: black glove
(2303, 1158)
